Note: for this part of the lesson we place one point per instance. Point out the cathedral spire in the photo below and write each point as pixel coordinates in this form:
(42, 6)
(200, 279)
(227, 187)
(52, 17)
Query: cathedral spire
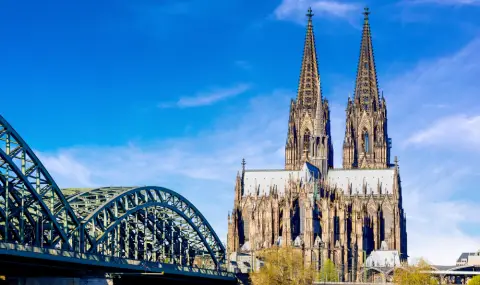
(365, 144)
(309, 91)
(308, 138)
(366, 86)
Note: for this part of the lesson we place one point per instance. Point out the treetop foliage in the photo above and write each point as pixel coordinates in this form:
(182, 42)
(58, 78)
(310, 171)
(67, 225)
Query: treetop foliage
(283, 266)
(474, 281)
(414, 274)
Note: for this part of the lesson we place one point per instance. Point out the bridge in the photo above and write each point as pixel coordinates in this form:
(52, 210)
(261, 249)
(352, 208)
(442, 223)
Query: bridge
(117, 231)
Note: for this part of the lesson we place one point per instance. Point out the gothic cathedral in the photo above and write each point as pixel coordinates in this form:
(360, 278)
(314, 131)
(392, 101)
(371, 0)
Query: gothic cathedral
(341, 214)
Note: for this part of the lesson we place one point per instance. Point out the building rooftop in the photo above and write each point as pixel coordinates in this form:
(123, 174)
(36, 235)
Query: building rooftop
(356, 178)
(260, 181)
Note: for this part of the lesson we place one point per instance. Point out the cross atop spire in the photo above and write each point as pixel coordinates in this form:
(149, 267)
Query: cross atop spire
(309, 14)
(366, 12)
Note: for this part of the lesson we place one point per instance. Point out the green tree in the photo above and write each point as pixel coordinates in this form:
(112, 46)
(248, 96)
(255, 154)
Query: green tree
(283, 266)
(328, 272)
(475, 280)
(414, 275)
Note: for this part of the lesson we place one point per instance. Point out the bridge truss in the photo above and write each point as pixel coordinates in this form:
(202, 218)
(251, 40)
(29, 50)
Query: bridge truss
(151, 224)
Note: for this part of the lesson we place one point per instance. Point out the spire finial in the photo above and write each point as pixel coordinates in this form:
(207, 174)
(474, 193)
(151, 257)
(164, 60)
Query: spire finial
(243, 164)
(310, 13)
(366, 12)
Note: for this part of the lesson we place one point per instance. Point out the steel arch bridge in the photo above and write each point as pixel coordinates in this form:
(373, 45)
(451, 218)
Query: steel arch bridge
(131, 226)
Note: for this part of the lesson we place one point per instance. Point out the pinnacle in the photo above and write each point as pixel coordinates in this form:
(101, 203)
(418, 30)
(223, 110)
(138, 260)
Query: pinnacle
(309, 85)
(366, 86)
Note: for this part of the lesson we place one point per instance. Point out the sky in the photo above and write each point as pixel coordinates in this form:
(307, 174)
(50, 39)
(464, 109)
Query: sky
(175, 93)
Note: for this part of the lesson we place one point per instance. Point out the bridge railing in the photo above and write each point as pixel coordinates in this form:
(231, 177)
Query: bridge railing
(145, 266)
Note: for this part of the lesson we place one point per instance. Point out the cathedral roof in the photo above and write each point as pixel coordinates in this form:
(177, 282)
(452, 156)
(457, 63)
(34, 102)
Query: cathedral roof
(356, 178)
(260, 181)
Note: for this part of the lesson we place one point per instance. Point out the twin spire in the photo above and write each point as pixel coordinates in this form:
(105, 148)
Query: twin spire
(366, 87)
(309, 137)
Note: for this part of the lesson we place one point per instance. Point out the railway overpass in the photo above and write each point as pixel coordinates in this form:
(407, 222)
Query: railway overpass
(147, 231)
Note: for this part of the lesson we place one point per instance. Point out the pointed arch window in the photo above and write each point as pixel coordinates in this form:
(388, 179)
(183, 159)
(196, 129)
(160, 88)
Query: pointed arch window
(366, 141)
(306, 140)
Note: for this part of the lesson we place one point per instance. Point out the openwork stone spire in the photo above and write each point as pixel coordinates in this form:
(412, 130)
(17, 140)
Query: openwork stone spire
(366, 87)
(309, 91)
(308, 138)
(366, 143)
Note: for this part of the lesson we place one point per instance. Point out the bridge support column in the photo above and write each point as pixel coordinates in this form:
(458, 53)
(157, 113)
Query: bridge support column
(59, 281)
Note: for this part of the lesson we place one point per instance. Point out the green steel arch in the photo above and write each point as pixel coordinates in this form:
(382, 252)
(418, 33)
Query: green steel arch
(28, 196)
(149, 223)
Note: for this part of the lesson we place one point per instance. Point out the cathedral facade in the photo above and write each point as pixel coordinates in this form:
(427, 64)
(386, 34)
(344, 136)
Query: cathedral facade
(341, 214)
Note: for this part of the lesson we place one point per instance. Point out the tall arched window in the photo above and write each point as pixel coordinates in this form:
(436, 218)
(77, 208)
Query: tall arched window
(365, 141)
(306, 140)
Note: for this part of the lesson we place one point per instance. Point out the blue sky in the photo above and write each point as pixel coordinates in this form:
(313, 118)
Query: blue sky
(176, 93)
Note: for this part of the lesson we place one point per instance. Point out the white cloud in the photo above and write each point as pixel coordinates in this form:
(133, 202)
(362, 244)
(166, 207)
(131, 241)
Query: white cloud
(296, 9)
(444, 2)
(67, 169)
(458, 131)
(207, 98)
(450, 82)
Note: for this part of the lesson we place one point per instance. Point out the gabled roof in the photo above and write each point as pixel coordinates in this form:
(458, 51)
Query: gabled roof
(261, 180)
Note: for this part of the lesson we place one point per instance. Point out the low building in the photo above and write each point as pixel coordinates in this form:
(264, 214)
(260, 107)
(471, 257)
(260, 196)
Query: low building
(240, 262)
(469, 258)
(383, 257)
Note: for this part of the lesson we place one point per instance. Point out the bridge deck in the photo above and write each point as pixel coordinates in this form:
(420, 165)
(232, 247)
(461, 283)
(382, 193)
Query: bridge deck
(38, 257)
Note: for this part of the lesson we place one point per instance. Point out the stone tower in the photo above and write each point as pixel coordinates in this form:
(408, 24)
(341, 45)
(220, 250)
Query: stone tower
(345, 214)
(366, 143)
(308, 138)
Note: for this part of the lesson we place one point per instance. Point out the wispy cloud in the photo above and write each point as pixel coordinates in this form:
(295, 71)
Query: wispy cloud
(444, 2)
(295, 10)
(458, 131)
(207, 98)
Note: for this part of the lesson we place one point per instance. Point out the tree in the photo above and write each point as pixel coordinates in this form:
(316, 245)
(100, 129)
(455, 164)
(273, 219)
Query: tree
(474, 281)
(328, 272)
(283, 266)
(414, 274)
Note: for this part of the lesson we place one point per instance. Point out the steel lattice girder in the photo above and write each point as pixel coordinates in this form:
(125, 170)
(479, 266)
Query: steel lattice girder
(28, 196)
(34, 211)
(103, 210)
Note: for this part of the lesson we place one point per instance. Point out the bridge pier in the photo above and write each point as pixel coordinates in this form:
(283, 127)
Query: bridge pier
(59, 281)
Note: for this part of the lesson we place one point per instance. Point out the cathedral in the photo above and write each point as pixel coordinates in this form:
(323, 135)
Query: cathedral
(341, 214)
